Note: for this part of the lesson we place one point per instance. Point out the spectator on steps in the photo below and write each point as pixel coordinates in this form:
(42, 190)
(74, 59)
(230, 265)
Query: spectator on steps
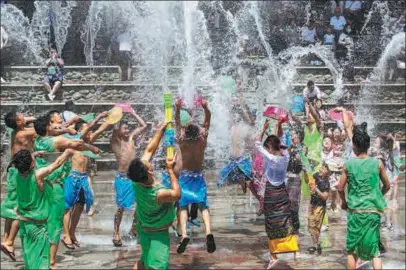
(292, 33)
(329, 38)
(338, 22)
(309, 34)
(312, 92)
(124, 40)
(53, 76)
(3, 43)
(353, 11)
(345, 44)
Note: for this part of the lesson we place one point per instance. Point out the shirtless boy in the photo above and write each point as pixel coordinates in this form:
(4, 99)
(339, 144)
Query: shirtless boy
(192, 142)
(77, 191)
(124, 148)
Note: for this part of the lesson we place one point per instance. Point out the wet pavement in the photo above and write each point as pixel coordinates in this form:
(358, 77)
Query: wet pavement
(239, 233)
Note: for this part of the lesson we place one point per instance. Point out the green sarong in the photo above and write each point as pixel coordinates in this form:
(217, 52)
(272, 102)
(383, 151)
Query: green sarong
(55, 219)
(9, 204)
(56, 178)
(155, 248)
(35, 245)
(363, 235)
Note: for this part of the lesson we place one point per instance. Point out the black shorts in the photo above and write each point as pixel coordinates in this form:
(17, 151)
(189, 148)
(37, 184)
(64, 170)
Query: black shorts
(125, 58)
(53, 78)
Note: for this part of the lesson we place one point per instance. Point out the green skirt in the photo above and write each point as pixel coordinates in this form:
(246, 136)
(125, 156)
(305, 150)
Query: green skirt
(35, 245)
(55, 219)
(9, 203)
(363, 235)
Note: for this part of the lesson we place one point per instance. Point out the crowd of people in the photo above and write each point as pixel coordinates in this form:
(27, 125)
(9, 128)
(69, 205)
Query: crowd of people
(46, 196)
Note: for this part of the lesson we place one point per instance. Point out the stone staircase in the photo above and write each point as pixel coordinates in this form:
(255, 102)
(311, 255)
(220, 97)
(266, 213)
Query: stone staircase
(97, 89)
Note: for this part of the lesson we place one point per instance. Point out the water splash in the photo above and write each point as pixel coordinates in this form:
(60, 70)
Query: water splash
(370, 91)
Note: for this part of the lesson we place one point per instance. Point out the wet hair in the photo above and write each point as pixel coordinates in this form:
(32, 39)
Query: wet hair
(273, 142)
(41, 124)
(310, 83)
(123, 122)
(11, 119)
(79, 124)
(69, 106)
(192, 131)
(51, 113)
(137, 171)
(361, 139)
(21, 161)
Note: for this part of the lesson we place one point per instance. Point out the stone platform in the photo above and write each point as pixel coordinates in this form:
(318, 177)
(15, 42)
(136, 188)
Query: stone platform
(239, 233)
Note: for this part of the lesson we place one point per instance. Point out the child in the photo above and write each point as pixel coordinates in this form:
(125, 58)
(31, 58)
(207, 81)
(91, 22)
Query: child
(318, 206)
(329, 38)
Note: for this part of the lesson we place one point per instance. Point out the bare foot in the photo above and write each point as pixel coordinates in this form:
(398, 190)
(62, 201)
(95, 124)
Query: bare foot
(52, 266)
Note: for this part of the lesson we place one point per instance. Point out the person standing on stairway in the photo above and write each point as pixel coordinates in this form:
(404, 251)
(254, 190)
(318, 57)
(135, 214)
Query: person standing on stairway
(123, 146)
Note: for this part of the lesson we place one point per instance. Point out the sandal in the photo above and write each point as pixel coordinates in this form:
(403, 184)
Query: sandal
(311, 250)
(117, 243)
(182, 245)
(211, 245)
(272, 263)
(68, 246)
(76, 243)
(9, 253)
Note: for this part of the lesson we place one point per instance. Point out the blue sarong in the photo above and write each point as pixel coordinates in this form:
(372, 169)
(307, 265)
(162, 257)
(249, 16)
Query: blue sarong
(125, 196)
(74, 183)
(237, 169)
(193, 188)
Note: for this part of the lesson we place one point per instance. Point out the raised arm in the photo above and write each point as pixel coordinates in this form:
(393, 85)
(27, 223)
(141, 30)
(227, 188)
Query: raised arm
(207, 116)
(314, 114)
(29, 119)
(89, 127)
(384, 178)
(153, 145)
(141, 129)
(173, 194)
(63, 143)
(341, 188)
(44, 172)
(279, 129)
(346, 121)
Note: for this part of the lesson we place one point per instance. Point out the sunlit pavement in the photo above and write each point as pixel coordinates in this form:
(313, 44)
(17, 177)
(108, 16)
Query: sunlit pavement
(239, 233)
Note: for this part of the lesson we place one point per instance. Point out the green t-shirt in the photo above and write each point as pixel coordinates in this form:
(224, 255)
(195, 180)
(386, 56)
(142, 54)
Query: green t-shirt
(31, 201)
(364, 191)
(47, 144)
(314, 142)
(150, 213)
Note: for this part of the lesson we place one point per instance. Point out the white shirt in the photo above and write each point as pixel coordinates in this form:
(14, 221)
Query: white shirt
(338, 23)
(309, 35)
(310, 95)
(275, 167)
(329, 39)
(125, 42)
(345, 40)
(353, 5)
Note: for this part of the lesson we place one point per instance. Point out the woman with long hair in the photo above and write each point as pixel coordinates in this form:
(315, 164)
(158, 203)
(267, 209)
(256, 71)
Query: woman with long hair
(280, 221)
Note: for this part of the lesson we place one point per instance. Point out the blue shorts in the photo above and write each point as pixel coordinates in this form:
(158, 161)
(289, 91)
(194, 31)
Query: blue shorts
(125, 195)
(76, 189)
(237, 169)
(193, 188)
